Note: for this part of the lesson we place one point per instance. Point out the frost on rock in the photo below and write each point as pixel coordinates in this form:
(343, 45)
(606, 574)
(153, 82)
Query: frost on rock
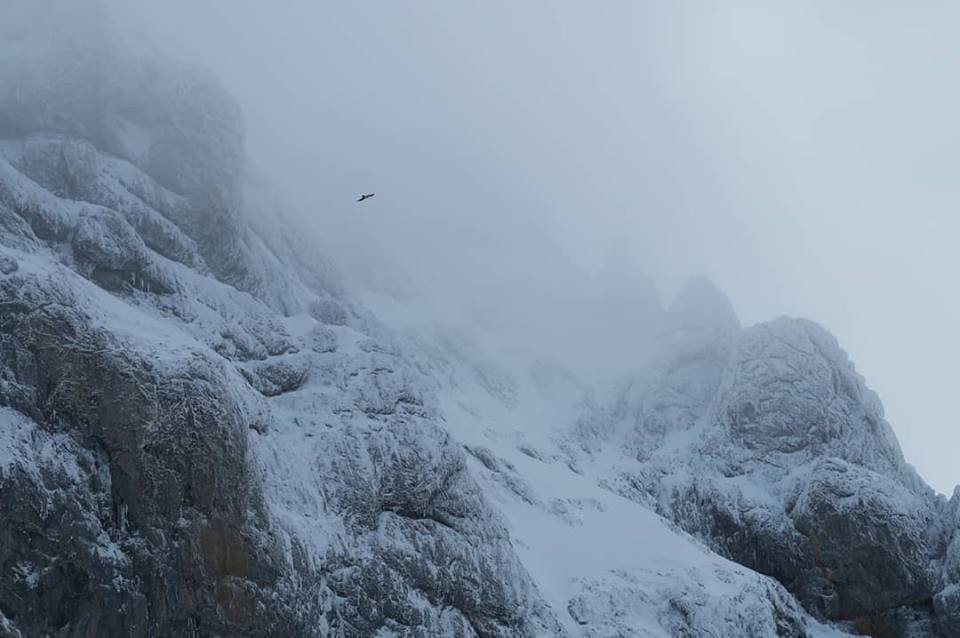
(766, 443)
(184, 449)
(632, 605)
(201, 433)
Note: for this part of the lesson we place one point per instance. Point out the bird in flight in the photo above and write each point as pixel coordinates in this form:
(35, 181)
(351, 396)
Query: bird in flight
(367, 196)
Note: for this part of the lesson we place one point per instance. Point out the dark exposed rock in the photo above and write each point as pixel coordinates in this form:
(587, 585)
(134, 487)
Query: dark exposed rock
(167, 487)
(867, 536)
(946, 604)
(329, 311)
(275, 378)
(793, 471)
(146, 489)
(425, 516)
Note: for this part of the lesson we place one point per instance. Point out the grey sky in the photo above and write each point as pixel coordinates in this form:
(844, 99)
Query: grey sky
(801, 155)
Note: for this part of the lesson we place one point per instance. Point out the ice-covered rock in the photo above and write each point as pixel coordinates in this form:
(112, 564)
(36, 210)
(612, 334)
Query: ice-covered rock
(184, 450)
(766, 443)
(201, 433)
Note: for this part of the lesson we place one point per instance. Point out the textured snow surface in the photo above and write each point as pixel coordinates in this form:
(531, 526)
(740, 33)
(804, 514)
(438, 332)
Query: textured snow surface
(355, 443)
(606, 565)
(765, 443)
(202, 433)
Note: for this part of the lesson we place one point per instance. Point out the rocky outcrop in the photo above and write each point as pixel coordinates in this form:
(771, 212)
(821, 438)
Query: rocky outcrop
(178, 456)
(147, 521)
(771, 447)
(200, 434)
(760, 609)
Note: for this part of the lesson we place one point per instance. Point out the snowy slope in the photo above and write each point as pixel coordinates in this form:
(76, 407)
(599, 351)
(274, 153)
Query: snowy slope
(605, 565)
(202, 433)
(767, 444)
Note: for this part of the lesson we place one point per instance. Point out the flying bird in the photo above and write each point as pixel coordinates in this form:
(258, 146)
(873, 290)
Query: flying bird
(367, 196)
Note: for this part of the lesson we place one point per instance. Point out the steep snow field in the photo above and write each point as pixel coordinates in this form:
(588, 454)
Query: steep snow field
(606, 565)
(203, 433)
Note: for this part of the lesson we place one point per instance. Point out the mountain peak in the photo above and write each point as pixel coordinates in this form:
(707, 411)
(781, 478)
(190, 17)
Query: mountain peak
(701, 305)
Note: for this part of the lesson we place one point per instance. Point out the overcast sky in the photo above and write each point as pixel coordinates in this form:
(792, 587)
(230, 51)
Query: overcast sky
(803, 156)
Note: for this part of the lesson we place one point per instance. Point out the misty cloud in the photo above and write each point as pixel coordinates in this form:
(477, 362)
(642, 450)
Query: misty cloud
(527, 156)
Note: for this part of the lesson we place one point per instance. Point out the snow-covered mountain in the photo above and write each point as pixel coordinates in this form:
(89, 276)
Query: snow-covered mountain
(766, 443)
(202, 433)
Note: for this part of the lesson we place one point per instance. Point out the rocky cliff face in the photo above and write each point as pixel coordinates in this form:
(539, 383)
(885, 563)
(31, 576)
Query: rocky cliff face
(198, 437)
(766, 443)
(201, 434)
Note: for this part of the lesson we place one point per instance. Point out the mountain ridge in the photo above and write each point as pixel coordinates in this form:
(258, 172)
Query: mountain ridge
(202, 433)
